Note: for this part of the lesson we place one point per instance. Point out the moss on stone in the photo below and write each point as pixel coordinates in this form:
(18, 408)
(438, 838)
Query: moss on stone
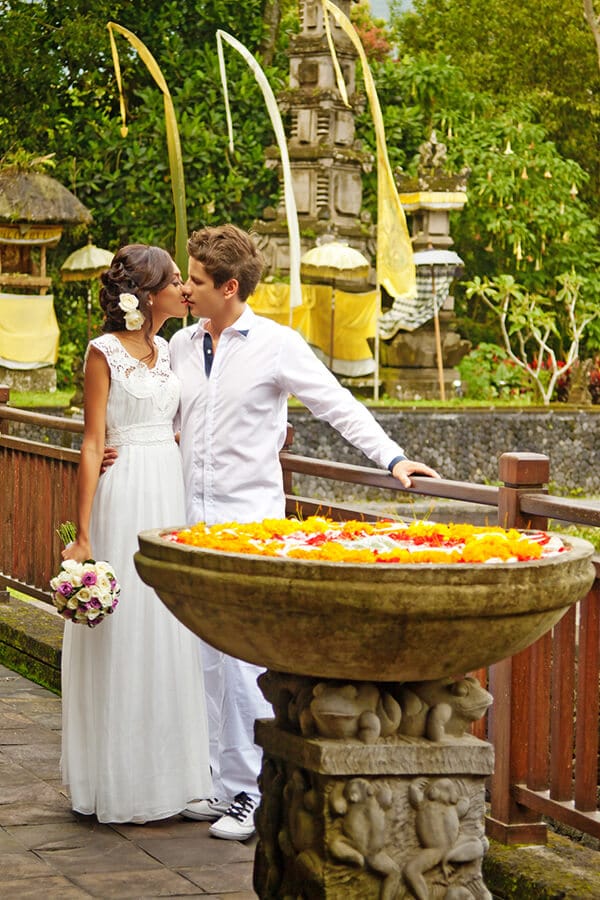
(560, 869)
(31, 642)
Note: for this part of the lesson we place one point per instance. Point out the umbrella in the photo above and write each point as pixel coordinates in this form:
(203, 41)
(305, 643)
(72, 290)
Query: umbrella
(86, 264)
(444, 264)
(331, 261)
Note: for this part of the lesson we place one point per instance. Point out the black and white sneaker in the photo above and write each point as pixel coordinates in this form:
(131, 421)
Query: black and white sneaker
(238, 822)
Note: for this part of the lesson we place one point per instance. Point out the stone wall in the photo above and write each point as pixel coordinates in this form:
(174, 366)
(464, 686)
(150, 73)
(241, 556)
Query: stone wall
(463, 445)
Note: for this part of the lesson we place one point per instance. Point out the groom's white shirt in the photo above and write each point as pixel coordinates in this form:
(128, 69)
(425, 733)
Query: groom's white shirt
(234, 423)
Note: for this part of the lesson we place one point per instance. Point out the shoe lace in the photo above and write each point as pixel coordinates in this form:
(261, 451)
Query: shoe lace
(242, 807)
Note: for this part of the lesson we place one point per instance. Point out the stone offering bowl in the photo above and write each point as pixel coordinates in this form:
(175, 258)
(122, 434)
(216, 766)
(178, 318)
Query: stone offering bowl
(382, 622)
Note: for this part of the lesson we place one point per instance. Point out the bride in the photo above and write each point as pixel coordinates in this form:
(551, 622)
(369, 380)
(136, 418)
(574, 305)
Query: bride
(134, 737)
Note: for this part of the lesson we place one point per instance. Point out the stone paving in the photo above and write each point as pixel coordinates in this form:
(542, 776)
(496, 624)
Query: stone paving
(47, 851)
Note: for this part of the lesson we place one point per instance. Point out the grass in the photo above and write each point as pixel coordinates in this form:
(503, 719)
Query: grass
(37, 399)
(62, 399)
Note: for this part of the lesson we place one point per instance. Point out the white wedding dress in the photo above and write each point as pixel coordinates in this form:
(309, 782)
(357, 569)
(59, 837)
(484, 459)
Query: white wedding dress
(135, 738)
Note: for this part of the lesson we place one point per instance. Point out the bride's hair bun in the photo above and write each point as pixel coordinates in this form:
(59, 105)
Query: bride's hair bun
(139, 269)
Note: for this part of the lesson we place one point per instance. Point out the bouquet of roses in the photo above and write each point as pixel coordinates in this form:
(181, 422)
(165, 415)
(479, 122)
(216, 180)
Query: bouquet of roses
(83, 592)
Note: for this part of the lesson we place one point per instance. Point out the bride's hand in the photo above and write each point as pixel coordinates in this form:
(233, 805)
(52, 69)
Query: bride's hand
(78, 550)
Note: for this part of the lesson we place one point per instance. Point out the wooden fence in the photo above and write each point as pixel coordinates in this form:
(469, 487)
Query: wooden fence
(545, 716)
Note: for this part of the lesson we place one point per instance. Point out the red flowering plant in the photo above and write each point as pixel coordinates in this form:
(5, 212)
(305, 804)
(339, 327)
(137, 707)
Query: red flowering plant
(594, 380)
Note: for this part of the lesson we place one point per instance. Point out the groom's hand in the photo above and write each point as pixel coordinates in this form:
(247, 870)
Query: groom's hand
(109, 458)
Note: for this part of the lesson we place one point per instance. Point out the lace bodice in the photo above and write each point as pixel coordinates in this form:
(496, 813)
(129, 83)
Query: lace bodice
(141, 401)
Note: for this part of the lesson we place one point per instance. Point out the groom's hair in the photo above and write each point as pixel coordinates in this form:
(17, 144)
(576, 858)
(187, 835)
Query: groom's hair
(227, 252)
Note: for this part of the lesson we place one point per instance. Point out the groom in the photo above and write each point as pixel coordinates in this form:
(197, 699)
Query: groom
(237, 370)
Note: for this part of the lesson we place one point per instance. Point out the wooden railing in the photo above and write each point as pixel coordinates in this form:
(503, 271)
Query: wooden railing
(545, 716)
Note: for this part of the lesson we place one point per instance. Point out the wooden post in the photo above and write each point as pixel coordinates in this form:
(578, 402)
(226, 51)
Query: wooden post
(438, 341)
(4, 398)
(287, 476)
(509, 717)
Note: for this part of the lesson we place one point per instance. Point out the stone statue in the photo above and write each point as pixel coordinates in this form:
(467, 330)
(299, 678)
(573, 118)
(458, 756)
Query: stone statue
(358, 836)
(358, 710)
(331, 709)
(432, 154)
(439, 809)
(435, 709)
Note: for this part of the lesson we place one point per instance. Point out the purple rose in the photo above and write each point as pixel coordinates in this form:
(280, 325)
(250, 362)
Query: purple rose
(65, 589)
(89, 578)
(67, 613)
(94, 603)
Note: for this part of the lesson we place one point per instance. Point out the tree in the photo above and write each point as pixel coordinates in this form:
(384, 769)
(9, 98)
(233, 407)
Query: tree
(537, 51)
(593, 21)
(533, 325)
(55, 57)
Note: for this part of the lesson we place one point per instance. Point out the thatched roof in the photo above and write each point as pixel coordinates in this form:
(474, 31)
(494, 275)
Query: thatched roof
(38, 199)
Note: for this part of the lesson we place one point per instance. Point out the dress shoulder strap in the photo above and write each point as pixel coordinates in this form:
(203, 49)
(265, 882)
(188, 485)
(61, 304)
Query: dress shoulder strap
(112, 350)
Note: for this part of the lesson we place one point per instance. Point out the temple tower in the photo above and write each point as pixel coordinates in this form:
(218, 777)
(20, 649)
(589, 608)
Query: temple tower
(327, 161)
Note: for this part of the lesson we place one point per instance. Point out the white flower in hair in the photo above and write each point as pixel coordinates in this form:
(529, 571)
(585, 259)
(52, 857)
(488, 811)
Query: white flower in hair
(128, 302)
(134, 320)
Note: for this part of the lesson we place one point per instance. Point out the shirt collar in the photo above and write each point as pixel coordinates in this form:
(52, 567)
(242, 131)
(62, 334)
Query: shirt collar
(241, 325)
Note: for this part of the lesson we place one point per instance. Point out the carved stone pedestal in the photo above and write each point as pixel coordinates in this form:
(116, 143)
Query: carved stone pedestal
(352, 807)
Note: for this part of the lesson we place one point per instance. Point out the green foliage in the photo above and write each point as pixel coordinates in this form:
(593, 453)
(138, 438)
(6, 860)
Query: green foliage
(541, 334)
(58, 94)
(539, 52)
(487, 373)
(508, 85)
(56, 58)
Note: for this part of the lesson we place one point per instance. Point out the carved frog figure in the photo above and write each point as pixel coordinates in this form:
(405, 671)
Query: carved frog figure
(434, 709)
(358, 710)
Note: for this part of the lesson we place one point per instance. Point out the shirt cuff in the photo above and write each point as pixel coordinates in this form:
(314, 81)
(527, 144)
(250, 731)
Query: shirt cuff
(395, 460)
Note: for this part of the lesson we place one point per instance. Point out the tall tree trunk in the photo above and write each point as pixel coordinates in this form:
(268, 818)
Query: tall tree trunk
(272, 17)
(593, 21)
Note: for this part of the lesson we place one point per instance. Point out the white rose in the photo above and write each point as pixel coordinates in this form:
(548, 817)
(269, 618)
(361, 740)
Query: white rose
(71, 565)
(134, 320)
(72, 602)
(128, 302)
(84, 595)
(102, 585)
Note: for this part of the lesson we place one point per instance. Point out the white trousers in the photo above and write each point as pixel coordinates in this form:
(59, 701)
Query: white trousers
(233, 702)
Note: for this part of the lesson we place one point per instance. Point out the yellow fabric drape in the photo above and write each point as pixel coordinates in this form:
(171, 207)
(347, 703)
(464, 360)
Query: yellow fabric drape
(28, 328)
(355, 316)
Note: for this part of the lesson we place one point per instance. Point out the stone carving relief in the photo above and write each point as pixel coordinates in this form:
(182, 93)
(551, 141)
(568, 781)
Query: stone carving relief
(358, 835)
(440, 809)
(434, 710)
(298, 835)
